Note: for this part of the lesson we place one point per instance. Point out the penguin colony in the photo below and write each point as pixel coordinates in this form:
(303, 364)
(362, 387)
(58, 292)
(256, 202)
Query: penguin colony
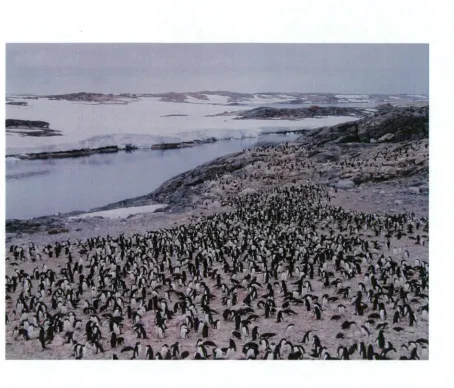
(282, 275)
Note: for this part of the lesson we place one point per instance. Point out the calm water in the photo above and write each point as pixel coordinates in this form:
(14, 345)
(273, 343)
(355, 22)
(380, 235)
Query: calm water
(42, 187)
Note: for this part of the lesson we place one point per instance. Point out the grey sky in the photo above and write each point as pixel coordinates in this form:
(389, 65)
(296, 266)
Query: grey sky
(153, 68)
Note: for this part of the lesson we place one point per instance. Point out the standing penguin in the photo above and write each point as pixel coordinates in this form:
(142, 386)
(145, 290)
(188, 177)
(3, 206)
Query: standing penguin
(113, 340)
(149, 353)
(255, 333)
(42, 337)
(381, 339)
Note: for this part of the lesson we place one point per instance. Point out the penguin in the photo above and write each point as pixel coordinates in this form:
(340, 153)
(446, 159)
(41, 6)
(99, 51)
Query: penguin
(317, 313)
(42, 338)
(236, 334)
(365, 331)
(205, 330)
(380, 339)
(255, 331)
(184, 355)
(184, 331)
(306, 337)
(98, 347)
(347, 324)
(113, 340)
(135, 350)
(164, 351)
(245, 330)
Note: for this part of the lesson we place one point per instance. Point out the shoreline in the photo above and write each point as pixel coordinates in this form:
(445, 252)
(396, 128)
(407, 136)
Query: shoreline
(187, 191)
(188, 194)
(75, 153)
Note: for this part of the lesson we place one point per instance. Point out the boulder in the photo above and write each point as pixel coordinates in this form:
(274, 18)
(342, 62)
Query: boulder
(57, 230)
(413, 190)
(424, 189)
(398, 202)
(325, 156)
(344, 184)
(386, 137)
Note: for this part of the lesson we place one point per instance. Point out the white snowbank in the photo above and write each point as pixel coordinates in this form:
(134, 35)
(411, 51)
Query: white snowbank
(350, 96)
(138, 123)
(358, 100)
(215, 99)
(122, 212)
(395, 98)
(12, 160)
(268, 99)
(212, 99)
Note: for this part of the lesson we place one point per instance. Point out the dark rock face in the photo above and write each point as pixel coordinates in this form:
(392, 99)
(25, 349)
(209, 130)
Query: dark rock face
(396, 125)
(70, 153)
(26, 123)
(184, 144)
(181, 188)
(19, 103)
(299, 113)
(387, 125)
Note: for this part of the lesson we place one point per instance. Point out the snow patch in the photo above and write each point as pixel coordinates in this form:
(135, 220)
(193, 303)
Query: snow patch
(212, 99)
(417, 96)
(121, 212)
(350, 96)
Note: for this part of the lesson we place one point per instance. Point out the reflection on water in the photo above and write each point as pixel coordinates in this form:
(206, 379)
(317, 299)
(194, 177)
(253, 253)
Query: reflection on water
(42, 187)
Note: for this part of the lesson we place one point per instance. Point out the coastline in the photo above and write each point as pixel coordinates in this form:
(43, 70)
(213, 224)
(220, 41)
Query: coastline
(199, 192)
(191, 190)
(75, 153)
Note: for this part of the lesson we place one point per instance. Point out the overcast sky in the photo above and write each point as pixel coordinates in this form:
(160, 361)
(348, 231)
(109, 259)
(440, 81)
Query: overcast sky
(153, 68)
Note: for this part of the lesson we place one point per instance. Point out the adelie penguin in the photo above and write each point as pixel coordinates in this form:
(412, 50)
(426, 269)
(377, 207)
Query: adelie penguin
(42, 338)
(135, 350)
(317, 313)
(255, 333)
(380, 339)
(149, 353)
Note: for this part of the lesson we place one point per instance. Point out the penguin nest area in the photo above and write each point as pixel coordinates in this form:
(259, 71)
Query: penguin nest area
(286, 267)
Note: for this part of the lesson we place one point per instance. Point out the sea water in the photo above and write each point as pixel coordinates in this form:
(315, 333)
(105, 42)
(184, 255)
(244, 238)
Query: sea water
(44, 187)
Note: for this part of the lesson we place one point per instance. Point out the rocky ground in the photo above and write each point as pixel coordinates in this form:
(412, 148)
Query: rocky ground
(382, 178)
(267, 113)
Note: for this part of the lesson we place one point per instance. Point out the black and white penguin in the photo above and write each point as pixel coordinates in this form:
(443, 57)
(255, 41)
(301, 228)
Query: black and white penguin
(205, 330)
(149, 353)
(184, 331)
(317, 312)
(380, 339)
(135, 350)
(42, 337)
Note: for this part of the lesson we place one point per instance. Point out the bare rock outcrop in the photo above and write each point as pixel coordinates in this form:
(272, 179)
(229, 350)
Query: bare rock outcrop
(389, 124)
